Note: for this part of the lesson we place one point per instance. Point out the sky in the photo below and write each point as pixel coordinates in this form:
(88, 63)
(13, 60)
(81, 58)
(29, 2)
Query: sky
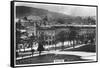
(65, 9)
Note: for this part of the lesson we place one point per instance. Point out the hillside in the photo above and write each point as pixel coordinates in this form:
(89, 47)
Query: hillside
(22, 11)
(59, 18)
(27, 11)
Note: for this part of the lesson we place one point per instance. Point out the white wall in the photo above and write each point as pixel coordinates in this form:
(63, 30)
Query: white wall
(5, 34)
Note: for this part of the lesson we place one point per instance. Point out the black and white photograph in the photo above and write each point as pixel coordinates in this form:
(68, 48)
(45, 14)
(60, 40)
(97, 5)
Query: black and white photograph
(51, 33)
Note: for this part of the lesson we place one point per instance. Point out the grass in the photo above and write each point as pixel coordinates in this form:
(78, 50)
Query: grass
(48, 58)
(86, 48)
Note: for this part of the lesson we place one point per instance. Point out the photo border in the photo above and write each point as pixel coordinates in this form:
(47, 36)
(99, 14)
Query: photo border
(12, 48)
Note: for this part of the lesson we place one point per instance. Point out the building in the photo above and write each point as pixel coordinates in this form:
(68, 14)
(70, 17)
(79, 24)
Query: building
(48, 33)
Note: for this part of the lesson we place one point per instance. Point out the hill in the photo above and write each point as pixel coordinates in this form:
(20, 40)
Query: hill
(59, 18)
(22, 11)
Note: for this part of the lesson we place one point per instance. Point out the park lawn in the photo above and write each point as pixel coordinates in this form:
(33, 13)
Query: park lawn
(86, 48)
(48, 58)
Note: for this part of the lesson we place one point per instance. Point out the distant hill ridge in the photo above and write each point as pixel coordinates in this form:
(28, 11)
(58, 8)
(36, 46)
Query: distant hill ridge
(22, 11)
(59, 18)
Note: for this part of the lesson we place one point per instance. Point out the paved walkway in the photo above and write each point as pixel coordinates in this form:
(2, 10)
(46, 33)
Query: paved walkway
(84, 55)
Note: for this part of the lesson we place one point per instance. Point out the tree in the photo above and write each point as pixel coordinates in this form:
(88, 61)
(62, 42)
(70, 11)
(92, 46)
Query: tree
(41, 38)
(62, 37)
(72, 35)
(18, 33)
(55, 41)
(91, 37)
(41, 42)
(91, 20)
(61, 20)
(19, 40)
(30, 41)
(45, 21)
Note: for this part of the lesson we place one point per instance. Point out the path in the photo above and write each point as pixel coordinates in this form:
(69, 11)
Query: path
(84, 55)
